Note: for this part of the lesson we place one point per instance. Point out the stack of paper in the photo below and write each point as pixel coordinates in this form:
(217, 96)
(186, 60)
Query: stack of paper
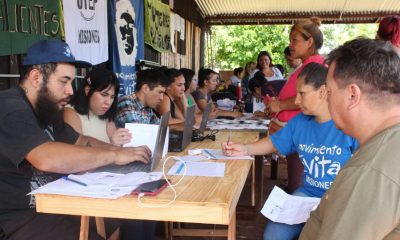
(202, 169)
(217, 154)
(98, 184)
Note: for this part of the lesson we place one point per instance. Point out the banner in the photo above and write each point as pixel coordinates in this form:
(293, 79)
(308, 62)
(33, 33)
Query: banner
(25, 22)
(127, 43)
(86, 29)
(157, 25)
(177, 29)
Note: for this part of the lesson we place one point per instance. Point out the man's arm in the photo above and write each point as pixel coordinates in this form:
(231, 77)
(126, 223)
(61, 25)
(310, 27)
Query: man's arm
(65, 158)
(93, 142)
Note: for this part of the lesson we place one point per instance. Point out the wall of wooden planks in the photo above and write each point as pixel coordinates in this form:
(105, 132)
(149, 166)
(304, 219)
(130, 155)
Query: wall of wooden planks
(191, 58)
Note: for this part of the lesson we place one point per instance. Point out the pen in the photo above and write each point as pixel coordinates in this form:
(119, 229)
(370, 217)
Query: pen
(210, 154)
(179, 168)
(229, 138)
(75, 181)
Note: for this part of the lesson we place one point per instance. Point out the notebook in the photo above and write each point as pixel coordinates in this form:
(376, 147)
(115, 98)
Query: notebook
(155, 158)
(178, 140)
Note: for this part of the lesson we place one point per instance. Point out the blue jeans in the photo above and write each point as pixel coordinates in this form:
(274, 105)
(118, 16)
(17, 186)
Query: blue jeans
(282, 231)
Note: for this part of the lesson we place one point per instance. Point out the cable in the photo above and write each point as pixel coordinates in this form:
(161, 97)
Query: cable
(200, 137)
(170, 185)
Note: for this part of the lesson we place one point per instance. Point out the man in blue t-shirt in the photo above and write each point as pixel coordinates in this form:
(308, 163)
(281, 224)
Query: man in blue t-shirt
(322, 148)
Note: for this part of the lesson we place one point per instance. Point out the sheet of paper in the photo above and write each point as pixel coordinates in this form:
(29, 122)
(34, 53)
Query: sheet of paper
(284, 208)
(217, 154)
(69, 188)
(99, 185)
(142, 134)
(203, 169)
(193, 158)
(166, 143)
(136, 178)
(97, 178)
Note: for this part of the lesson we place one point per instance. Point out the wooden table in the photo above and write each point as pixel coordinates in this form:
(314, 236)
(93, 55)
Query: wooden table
(257, 196)
(207, 200)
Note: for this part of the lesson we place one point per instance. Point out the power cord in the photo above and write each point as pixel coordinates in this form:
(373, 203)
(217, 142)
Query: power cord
(200, 137)
(170, 185)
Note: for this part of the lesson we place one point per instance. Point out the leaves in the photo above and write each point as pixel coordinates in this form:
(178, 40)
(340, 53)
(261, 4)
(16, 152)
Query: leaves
(234, 46)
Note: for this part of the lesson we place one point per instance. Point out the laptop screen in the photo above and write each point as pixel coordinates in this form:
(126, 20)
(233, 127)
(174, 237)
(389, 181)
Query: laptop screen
(204, 118)
(161, 138)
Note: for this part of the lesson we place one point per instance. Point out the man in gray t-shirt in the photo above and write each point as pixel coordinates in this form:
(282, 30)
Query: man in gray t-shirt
(363, 202)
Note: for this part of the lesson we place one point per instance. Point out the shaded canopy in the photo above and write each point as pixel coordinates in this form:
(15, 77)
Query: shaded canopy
(251, 12)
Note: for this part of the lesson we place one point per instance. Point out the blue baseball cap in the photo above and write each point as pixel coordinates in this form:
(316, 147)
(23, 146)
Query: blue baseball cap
(51, 51)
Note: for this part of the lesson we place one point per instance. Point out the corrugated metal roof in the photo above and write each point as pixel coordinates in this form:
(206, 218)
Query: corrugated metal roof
(228, 12)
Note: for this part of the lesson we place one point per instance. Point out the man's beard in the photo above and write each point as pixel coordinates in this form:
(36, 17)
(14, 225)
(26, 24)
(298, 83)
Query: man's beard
(47, 110)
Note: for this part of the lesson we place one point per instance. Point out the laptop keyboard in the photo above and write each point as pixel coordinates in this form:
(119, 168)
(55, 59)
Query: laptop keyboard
(128, 168)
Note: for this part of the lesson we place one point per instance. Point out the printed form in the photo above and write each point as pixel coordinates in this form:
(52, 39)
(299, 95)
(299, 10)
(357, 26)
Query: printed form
(284, 208)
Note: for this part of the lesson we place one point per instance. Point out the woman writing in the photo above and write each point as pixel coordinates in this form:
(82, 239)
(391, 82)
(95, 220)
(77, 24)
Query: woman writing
(323, 149)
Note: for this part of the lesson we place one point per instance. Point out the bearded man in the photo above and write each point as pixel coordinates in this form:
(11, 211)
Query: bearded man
(37, 147)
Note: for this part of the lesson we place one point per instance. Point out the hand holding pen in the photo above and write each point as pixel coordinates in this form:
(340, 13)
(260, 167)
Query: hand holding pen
(232, 149)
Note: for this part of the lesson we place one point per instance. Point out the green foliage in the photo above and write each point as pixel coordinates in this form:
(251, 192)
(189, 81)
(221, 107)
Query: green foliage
(234, 46)
(335, 35)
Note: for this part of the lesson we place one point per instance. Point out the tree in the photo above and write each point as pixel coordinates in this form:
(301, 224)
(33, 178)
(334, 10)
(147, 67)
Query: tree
(234, 46)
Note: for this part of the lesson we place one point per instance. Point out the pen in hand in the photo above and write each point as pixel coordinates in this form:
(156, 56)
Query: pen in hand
(229, 138)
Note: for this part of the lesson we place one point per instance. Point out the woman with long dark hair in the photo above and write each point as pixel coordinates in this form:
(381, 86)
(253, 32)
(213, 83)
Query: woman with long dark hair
(93, 108)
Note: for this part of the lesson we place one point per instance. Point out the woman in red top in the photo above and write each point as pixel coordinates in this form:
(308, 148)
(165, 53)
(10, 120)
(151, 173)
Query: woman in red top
(389, 30)
(305, 40)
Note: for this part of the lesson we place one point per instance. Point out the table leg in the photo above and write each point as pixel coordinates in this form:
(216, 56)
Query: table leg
(84, 231)
(253, 184)
(101, 230)
(259, 180)
(232, 227)
(274, 166)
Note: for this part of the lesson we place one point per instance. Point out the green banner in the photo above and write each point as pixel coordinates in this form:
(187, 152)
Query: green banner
(157, 25)
(23, 22)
